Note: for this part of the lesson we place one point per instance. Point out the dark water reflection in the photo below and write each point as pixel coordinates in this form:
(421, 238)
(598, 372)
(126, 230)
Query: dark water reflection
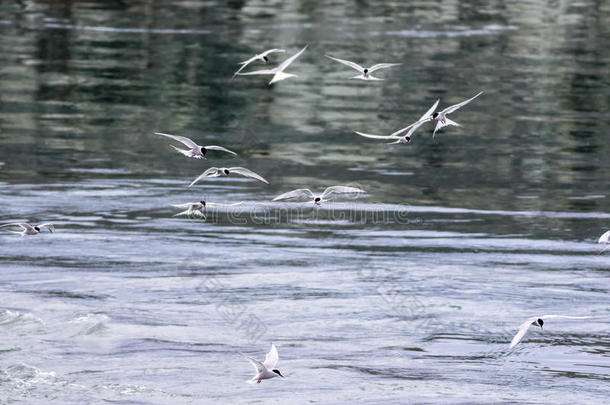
(497, 217)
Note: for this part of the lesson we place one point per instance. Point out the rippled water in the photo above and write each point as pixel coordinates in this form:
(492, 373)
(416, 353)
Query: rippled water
(407, 295)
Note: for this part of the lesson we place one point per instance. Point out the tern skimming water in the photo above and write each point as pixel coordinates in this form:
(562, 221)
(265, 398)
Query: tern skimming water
(441, 117)
(27, 229)
(537, 321)
(261, 56)
(365, 73)
(195, 151)
(411, 128)
(266, 369)
(327, 195)
(277, 72)
(226, 171)
(198, 208)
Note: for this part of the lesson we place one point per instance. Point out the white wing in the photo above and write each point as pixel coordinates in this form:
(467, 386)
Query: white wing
(186, 141)
(185, 152)
(211, 172)
(260, 367)
(382, 66)
(428, 113)
(47, 225)
(378, 136)
(259, 72)
(563, 316)
(214, 147)
(348, 63)
(271, 358)
(244, 64)
(248, 173)
(288, 61)
(454, 107)
(605, 238)
(298, 193)
(211, 204)
(447, 123)
(330, 191)
(267, 52)
(190, 212)
(522, 331)
(21, 224)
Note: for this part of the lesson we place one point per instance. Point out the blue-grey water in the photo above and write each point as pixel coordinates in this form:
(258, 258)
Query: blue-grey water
(409, 294)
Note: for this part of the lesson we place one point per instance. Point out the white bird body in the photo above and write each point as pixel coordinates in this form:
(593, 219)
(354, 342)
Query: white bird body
(365, 73)
(261, 56)
(441, 117)
(538, 321)
(266, 369)
(327, 195)
(226, 171)
(195, 151)
(277, 72)
(405, 139)
(605, 238)
(27, 229)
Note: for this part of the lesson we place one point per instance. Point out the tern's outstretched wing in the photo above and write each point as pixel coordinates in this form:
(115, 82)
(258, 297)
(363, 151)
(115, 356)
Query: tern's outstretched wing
(186, 141)
(214, 147)
(211, 172)
(259, 72)
(377, 136)
(258, 366)
(563, 316)
(348, 63)
(267, 52)
(382, 66)
(454, 107)
(248, 173)
(271, 358)
(522, 331)
(298, 193)
(334, 190)
(605, 238)
(47, 225)
(288, 61)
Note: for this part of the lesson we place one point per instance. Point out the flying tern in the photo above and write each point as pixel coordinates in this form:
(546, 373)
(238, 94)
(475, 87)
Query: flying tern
(27, 229)
(261, 56)
(538, 321)
(195, 151)
(365, 73)
(226, 171)
(266, 369)
(198, 208)
(441, 117)
(605, 238)
(411, 128)
(277, 72)
(327, 195)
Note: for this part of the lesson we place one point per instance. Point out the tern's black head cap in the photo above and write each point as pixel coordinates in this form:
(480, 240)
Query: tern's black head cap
(435, 115)
(227, 172)
(266, 58)
(37, 228)
(540, 322)
(202, 202)
(276, 371)
(317, 199)
(366, 71)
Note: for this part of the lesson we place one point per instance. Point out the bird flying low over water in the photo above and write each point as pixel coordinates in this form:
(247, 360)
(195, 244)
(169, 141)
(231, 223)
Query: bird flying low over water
(365, 73)
(327, 195)
(266, 369)
(261, 56)
(198, 208)
(411, 128)
(195, 151)
(441, 117)
(538, 321)
(277, 72)
(226, 171)
(605, 238)
(27, 229)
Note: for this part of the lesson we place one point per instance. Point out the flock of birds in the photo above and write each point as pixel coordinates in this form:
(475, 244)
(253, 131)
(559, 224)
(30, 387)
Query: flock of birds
(267, 369)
